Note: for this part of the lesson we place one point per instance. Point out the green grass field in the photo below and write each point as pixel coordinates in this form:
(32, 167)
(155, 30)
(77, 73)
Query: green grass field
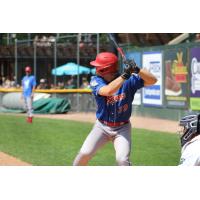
(50, 142)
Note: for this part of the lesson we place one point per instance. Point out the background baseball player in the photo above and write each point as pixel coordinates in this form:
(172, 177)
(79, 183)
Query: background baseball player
(28, 87)
(190, 140)
(114, 94)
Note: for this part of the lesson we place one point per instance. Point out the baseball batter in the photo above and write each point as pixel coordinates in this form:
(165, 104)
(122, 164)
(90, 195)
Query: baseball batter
(114, 94)
(28, 86)
(190, 140)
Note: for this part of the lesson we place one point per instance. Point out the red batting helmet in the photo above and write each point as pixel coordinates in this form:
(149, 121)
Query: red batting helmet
(105, 63)
(28, 69)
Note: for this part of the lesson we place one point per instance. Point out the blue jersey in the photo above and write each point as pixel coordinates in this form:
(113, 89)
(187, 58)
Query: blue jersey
(28, 82)
(116, 108)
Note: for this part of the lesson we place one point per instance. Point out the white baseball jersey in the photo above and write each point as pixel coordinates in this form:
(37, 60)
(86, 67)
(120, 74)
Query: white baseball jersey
(190, 153)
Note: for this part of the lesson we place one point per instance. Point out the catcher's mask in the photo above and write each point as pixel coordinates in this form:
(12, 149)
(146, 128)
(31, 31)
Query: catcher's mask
(190, 125)
(105, 63)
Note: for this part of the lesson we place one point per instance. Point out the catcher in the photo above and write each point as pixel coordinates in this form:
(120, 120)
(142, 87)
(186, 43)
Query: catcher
(114, 94)
(190, 140)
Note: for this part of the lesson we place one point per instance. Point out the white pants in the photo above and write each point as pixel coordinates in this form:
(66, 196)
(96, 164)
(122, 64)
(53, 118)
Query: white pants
(28, 101)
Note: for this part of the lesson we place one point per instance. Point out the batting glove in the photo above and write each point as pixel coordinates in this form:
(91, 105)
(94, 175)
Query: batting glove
(130, 67)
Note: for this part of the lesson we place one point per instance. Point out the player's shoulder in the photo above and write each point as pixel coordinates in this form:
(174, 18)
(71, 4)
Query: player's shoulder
(24, 78)
(95, 80)
(32, 77)
(196, 139)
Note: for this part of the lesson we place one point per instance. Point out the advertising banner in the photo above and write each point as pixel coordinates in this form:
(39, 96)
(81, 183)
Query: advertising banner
(195, 78)
(152, 95)
(176, 77)
(137, 57)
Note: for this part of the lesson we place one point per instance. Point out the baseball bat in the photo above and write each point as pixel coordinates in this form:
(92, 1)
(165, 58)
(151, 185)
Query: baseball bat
(119, 49)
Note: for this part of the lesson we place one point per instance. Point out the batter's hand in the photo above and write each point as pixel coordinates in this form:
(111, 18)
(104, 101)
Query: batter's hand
(132, 66)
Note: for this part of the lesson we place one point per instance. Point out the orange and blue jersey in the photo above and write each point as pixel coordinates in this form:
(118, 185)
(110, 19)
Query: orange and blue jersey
(116, 108)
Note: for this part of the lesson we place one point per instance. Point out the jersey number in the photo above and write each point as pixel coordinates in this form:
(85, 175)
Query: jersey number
(123, 108)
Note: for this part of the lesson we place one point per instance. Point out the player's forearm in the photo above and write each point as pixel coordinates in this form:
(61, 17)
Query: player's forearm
(112, 87)
(149, 78)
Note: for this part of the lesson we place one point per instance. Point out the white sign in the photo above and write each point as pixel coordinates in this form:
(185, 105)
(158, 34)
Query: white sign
(137, 98)
(152, 95)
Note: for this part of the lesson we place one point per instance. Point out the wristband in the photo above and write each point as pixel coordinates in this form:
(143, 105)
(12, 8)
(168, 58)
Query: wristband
(126, 76)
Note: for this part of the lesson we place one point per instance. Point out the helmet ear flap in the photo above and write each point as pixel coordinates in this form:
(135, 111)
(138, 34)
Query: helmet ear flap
(112, 68)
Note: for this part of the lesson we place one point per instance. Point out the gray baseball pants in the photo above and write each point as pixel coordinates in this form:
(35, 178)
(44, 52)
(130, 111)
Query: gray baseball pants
(28, 101)
(100, 135)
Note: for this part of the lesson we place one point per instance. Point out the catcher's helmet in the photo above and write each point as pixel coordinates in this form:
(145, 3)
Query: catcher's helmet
(105, 63)
(28, 69)
(191, 128)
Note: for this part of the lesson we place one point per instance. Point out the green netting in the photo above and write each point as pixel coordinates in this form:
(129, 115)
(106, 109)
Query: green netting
(9, 110)
(44, 106)
(51, 106)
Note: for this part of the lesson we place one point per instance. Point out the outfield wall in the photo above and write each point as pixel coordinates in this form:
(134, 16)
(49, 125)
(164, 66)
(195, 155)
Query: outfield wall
(177, 91)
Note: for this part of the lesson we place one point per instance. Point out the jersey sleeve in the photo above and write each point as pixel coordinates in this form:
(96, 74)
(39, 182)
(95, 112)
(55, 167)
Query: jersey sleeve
(136, 82)
(96, 83)
(34, 81)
